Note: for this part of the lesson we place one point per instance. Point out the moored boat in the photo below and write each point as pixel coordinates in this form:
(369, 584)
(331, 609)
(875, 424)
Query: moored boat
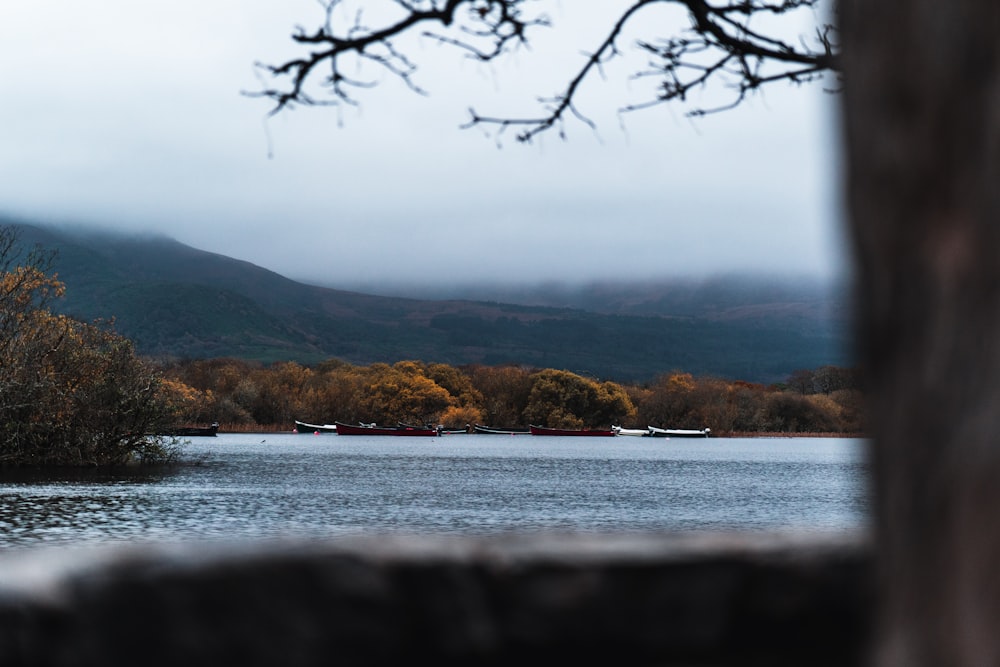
(303, 427)
(453, 431)
(195, 431)
(679, 432)
(641, 432)
(489, 430)
(372, 429)
(543, 430)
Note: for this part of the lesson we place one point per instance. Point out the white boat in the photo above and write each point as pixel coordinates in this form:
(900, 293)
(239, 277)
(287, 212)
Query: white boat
(678, 432)
(303, 427)
(642, 432)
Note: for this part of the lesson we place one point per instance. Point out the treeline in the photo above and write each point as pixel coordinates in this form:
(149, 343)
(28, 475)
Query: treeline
(244, 395)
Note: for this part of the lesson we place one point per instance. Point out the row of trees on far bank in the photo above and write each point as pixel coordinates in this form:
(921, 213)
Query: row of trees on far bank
(246, 396)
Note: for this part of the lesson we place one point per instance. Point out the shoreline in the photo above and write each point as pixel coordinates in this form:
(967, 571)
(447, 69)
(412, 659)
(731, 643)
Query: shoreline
(783, 434)
(259, 429)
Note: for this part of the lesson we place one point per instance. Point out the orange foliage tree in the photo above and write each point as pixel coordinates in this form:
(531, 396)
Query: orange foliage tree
(561, 399)
(505, 391)
(402, 393)
(71, 393)
(672, 403)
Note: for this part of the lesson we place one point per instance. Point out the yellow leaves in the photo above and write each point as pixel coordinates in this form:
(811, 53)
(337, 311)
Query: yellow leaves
(615, 399)
(290, 375)
(566, 400)
(23, 286)
(559, 417)
(408, 368)
(457, 383)
(460, 416)
(403, 393)
(179, 392)
(680, 382)
(180, 397)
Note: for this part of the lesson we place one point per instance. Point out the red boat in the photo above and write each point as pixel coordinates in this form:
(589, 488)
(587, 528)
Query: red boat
(372, 429)
(542, 430)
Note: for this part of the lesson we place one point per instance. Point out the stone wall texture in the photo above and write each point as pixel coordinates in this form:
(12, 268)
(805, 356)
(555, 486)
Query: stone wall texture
(521, 599)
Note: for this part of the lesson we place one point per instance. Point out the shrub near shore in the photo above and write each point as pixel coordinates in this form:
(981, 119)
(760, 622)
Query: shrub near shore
(71, 393)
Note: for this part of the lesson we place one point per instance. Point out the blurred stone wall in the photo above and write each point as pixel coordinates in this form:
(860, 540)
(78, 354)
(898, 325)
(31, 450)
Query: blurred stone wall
(521, 599)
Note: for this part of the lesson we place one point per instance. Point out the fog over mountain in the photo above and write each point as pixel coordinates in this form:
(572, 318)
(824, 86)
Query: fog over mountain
(173, 300)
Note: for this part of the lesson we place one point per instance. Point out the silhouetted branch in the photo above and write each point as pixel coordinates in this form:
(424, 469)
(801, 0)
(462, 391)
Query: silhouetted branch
(720, 46)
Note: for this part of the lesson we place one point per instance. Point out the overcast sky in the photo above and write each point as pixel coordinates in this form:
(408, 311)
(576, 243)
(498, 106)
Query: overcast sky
(129, 115)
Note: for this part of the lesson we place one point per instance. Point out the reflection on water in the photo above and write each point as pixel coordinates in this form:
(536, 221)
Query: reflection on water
(275, 485)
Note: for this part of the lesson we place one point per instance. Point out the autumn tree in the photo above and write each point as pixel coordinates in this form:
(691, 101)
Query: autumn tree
(611, 404)
(279, 392)
(224, 384)
(828, 379)
(343, 392)
(189, 405)
(716, 405)
(638, 395)
(402, 393)
(467, 408)
(561, 399)
(71, 393)
(853, 410)
(748, 405)
(788, 412)
(672, 402)
(222, 375)
(801, 380)
(505, 391)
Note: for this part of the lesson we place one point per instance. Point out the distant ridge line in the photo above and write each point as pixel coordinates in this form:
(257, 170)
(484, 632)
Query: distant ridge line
(177, 301)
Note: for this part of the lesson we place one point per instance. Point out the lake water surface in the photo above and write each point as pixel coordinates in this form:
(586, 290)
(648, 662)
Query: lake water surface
(303, 485)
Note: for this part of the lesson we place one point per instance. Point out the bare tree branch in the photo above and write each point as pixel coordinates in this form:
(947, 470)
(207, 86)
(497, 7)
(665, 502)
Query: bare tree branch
(720, 47)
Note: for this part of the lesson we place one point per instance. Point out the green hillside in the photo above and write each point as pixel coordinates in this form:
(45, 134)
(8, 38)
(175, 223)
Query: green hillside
(176, 301)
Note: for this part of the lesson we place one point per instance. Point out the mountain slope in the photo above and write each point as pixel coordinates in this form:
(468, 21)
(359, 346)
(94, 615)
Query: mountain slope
(174, 300)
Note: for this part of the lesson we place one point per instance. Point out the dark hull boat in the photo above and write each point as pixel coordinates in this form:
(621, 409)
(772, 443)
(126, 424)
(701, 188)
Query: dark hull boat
(479, 428)
(542, 430)
(195, 431)
(303, 427)
(454, 431)
(372, 429)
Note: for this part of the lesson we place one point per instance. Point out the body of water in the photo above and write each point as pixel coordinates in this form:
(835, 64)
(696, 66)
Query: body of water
(303, 485)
